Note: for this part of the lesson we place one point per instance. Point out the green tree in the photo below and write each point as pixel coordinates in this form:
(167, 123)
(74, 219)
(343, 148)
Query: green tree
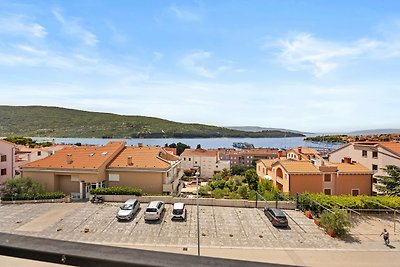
(226, 174)
(21, 187)
(238, 170)
(218, 193)
(251, 177)
(180, 147)
(390, 184)
(198, 146)
(217, 181)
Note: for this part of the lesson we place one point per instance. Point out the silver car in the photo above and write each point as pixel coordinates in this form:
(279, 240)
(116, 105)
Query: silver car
(154, 210)
(128, 210)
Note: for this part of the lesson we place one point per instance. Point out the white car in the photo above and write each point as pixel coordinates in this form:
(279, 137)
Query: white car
(179, 211)
(154, 210)
(128, 210)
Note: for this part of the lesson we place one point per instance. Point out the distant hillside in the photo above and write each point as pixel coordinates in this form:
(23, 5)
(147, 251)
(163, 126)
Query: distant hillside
(260, 129)
(375, 131)
(39, 121)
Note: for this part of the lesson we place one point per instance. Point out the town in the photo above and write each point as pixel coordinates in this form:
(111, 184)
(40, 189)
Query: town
(250, 181)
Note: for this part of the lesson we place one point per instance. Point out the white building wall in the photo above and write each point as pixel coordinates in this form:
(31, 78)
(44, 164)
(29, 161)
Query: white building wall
(7, 166)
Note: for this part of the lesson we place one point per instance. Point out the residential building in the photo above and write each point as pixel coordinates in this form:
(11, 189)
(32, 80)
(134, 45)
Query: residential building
(298, 176)
(206, 162)
(153, 169)
(7, 160)
(304, 170)
(373, 155)
(78, 169)
(74, 170)
(247, 157)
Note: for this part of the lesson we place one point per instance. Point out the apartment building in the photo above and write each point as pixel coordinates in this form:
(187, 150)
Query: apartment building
(373, 155)
(305, 171)
(247, 157)
(153, 169)
(206, 162)
(7, 160)
(76, 170)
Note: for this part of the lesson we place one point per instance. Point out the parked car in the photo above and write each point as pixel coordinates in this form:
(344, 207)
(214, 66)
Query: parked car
(179, 211)
(277, 217)
(154, 210)
(128, 209)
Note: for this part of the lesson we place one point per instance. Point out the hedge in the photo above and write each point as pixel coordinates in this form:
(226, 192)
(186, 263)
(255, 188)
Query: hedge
(347, 201)
(47, 195)
(117, 191)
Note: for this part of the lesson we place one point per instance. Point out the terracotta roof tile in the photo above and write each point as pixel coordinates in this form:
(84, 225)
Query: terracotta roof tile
(350, 167)
(199, 152)
(146, 157)
(82, 157)
(295, 166)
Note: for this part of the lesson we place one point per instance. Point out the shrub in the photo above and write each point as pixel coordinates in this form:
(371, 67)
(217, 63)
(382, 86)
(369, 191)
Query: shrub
(21, 188)
(117, 191)
(234, 195)
(244, 191)
(185, 178)
(338, 221)
(46, 195)
(203, 190)
(217, 193)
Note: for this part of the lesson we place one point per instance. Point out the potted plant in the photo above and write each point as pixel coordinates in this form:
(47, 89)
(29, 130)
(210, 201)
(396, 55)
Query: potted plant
(308, 214)
(335, 222)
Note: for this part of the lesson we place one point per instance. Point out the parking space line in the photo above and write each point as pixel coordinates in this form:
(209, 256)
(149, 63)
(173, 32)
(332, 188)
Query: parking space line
(266, 224)
(295, 223)
(240, 222)
(138, 219)
(163, 219)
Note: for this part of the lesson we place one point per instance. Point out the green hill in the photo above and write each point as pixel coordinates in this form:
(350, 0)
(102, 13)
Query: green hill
(40, 121)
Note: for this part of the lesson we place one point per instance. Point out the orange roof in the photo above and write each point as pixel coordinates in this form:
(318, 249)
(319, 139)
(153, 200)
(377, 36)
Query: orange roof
(304, 150)
(82, 157)
(295, 166)
(350, 167)
(268, 162)
(199, 152)
(393, 146)
(146, 157)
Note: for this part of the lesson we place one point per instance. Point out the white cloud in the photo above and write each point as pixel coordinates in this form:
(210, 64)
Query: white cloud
(73, 28)
(30, 49)
(19, 24)
(303, 51)
(184, 13)
(196, 62)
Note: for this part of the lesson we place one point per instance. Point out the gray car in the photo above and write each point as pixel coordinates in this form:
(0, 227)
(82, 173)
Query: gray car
(128, 210)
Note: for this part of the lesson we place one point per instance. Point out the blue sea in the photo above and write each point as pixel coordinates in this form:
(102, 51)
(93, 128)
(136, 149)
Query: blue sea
(283, 143)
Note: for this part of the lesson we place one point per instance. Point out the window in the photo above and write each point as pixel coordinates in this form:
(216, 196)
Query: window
(39, 153)
(355, 192)
(113, 177)
(364, 153)
(374, 167)
(3, 158)
(190, 159)
(184, 159)
(327, 177)
(327, 191)
(375, 154)
(3, 171)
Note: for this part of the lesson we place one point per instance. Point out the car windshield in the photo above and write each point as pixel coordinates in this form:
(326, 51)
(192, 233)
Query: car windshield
(127, 207)
(281, 217)
(151, 210)
(177, 211)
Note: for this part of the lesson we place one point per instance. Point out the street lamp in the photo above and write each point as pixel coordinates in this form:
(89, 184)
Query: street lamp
(197, 174)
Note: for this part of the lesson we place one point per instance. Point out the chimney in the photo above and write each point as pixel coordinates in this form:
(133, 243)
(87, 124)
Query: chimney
(140, 144)
(69, 158)
(299, 149)
(279, 154)
(346, 160)
(130, 163)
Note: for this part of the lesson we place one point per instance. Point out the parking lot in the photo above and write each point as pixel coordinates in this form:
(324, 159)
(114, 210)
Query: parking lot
(220, 227)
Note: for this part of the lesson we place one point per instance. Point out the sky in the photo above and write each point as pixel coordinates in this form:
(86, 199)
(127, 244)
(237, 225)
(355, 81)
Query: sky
(316, 66)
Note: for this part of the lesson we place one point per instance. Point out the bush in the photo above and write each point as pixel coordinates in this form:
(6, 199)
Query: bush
(117, 191)
(217, 193)
(47, 195)
(21, 188)
(203, 190)
(244, 191)
(185, 178)
(338, 221)
(234, 195)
